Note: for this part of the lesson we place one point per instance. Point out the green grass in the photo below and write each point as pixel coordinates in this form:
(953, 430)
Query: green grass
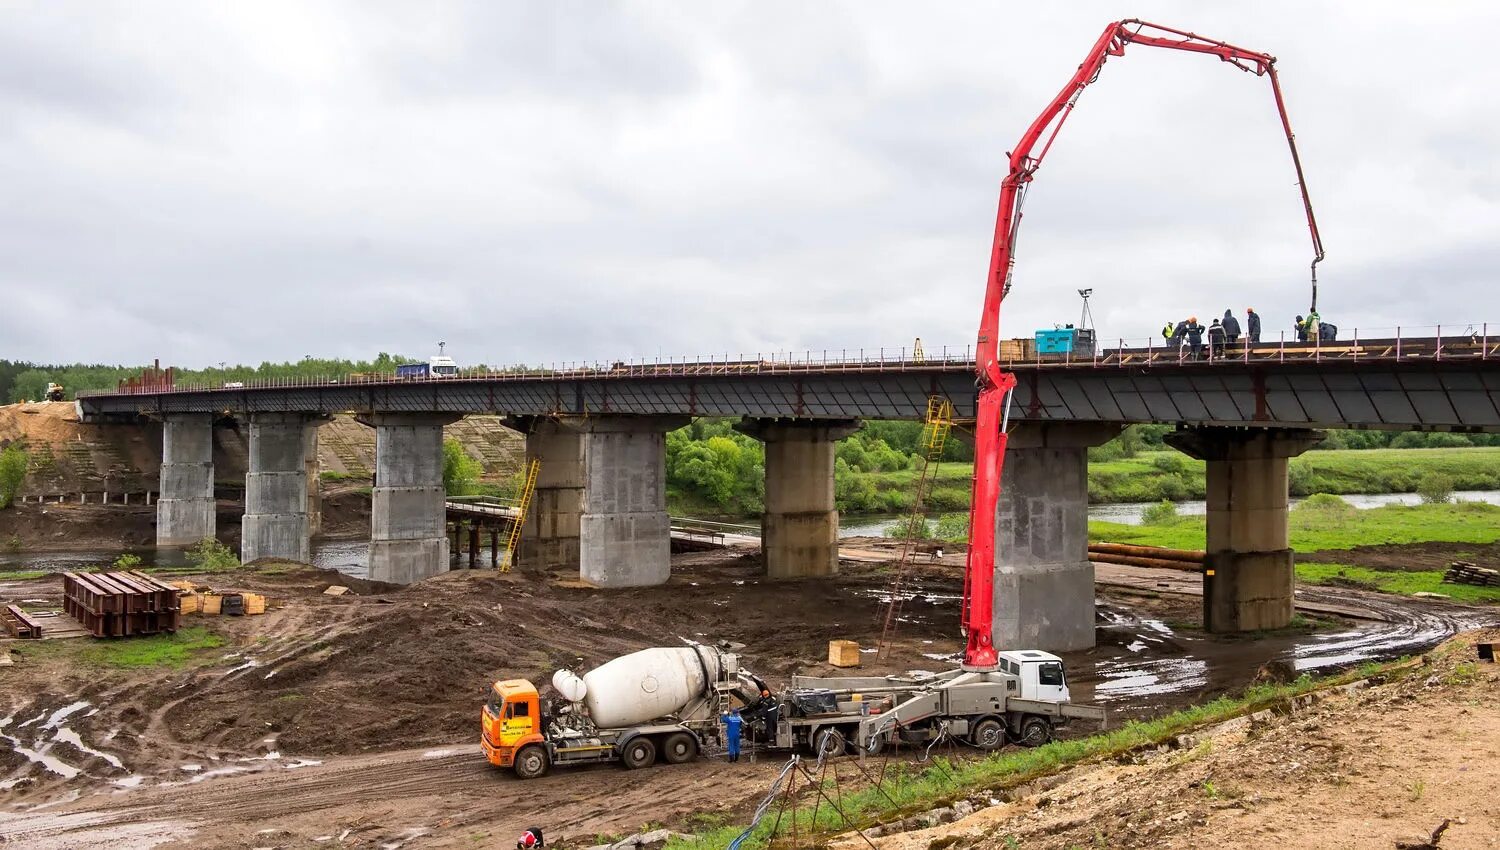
(1316, 530)
(21, 575)
(911, 788)
(165, 650)
(1399, 582)
(1151, 476)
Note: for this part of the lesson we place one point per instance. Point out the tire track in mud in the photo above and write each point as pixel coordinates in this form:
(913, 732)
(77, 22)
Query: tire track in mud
(598, 800)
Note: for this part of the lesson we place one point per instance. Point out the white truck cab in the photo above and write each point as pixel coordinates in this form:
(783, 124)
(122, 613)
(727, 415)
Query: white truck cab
(1041, 674)
(442, 366)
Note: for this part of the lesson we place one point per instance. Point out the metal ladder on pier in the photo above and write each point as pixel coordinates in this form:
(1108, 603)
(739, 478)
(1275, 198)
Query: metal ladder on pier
(523, 507)
(939, 422)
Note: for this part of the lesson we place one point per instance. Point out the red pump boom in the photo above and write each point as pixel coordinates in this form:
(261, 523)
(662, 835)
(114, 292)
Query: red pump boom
(996, 384)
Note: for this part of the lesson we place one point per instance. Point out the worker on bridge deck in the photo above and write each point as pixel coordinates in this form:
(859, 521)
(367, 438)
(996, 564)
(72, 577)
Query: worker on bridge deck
(1168, 330)
(1194, 337)
(1216, 337)
(1179, 333)
(1252, 324)
(1231, 327)
(1300, 328)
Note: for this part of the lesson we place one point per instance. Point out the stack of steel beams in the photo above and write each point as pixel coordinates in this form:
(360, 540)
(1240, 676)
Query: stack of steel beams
(119, 604)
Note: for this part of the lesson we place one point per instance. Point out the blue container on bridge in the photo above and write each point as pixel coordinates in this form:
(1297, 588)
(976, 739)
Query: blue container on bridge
(1058, 341)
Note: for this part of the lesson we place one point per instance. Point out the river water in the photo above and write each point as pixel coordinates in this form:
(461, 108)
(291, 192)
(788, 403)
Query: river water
(350, 555)
(1129, 513)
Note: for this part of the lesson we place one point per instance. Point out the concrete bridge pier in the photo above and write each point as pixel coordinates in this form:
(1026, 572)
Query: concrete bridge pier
(624, 533)
(276, 523)
(408, 534)
(550, 535)
(1044, 583)
(311, 473)
(1248, 576)
(185, 508)
(799, 532)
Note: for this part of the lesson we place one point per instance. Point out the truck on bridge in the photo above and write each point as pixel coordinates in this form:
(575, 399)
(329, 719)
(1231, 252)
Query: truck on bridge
(667, 702)
(438, 366)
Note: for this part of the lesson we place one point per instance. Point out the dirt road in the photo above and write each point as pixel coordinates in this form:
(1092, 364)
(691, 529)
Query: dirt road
(446, 796)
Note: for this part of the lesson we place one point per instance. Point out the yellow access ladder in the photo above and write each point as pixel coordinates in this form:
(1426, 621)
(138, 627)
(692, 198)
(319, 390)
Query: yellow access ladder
(934, 438)
(523, 507)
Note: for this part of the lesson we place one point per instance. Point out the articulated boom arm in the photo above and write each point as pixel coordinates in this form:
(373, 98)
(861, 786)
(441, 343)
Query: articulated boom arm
(996, 384)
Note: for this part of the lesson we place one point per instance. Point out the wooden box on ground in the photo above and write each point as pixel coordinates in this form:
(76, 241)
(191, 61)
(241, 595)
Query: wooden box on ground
(254, 603)
(213, 603)
(843, 653)
(122, 603)
(20, 623)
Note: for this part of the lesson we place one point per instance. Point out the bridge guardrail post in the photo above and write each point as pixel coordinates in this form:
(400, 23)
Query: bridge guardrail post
(1398, 342)
(1281, 348)
(1438, 355)
(1484, 345)
(1356, 344)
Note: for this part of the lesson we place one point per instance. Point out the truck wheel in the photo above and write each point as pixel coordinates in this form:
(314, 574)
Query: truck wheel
(828, 743)
(531, 762)
(875, 744)
(679, 747)
(639, 753)
(1035, 731)
(988, 734)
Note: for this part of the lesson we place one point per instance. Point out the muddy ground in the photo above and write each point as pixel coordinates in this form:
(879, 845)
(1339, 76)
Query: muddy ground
(360, 712)
(1367, 767)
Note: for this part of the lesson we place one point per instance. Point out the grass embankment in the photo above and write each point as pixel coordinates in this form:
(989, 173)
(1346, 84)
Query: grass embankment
(909, 788)
(1152, 476)
(1324, 527)
(172, 651)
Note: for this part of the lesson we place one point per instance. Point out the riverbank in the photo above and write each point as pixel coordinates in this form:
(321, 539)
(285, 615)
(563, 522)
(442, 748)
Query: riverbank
(1153, 476)
(1400, 549)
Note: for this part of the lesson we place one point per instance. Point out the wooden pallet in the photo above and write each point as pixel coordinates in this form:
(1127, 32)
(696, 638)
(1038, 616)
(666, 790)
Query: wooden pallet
(1463, 572)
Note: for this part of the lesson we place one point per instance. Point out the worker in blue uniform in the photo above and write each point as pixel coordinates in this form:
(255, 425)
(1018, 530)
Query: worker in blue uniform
(732, 724)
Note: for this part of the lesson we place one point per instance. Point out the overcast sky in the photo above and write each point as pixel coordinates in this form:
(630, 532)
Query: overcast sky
(543, 181)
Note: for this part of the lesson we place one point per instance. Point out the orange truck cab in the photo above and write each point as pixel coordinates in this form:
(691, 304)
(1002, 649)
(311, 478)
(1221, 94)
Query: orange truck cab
(511, 722)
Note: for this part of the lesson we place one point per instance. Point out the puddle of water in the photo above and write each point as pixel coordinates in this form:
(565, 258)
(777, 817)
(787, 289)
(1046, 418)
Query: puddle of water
(303, 763)
(437, 754)
(130, 781)
(68, 736)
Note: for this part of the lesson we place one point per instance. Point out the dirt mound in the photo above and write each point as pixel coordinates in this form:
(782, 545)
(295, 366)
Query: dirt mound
(1410, 557)
(1356, 768)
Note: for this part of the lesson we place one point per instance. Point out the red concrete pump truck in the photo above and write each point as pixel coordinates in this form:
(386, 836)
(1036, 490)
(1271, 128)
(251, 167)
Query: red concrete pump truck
(995, 384)
(667, 701)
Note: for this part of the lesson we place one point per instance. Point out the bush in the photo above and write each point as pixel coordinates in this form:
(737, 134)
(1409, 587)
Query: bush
(1326, 505)
(211, 555)
(1170, 463)
(1161, 513)
(459, 470)
(127, 561)
(13, 463)
(1435, 488)
(918, 525)
(1174, 488)
(953, 527)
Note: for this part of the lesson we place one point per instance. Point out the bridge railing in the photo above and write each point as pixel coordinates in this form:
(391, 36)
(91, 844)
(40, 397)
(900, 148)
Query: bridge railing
(1461, 341)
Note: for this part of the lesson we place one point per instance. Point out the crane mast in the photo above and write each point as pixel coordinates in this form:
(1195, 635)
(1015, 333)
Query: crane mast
(995, 384)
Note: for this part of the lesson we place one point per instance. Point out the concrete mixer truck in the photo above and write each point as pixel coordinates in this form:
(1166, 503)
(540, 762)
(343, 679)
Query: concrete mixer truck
(664, 704)
(661, 703)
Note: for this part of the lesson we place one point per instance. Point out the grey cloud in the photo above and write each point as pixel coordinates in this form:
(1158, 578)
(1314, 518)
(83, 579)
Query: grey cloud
(540, 182)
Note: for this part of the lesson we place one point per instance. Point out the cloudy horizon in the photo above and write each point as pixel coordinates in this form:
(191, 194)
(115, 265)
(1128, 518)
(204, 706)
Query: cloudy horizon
(542, 182)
